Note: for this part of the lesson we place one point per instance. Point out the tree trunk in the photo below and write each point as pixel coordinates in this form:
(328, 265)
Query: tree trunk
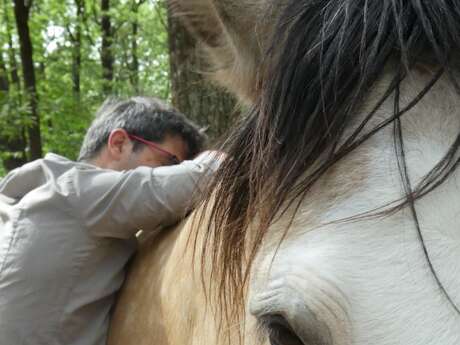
(4, 83)
(11, 51)
(134, 66)
(107, 59)
(76, 51)
(12, 142)
(21, 12)
(13, 138)
(192, 93)
(134, 58)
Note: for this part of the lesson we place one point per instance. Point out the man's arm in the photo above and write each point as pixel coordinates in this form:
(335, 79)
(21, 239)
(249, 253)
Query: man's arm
(118, 204)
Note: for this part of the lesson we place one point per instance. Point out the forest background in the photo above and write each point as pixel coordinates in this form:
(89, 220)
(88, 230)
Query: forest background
(60, 59)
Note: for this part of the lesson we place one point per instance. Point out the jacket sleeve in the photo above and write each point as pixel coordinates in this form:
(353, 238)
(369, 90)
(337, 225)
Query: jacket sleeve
(118, 204)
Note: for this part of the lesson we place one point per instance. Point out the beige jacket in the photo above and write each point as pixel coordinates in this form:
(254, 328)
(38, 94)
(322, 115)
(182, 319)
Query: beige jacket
(67, 230)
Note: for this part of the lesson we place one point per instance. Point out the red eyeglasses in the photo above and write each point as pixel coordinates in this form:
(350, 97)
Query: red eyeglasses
(171, 157)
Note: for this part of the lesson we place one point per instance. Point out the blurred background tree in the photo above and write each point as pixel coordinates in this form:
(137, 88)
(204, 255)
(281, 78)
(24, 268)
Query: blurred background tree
(60, 59)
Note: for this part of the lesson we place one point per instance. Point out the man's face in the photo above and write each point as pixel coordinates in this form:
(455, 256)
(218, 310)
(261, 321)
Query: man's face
(118, 154)
(154, 157)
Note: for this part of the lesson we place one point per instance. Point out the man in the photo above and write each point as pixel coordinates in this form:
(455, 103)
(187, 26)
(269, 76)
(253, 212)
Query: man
(67, 229)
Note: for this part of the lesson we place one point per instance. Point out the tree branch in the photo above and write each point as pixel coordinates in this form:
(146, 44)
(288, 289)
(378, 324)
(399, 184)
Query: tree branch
(95, 14)
(136, 4)
(69, 32)
(160, 15)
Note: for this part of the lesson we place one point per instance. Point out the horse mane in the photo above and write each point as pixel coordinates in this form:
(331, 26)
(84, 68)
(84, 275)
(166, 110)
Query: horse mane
(324, 57)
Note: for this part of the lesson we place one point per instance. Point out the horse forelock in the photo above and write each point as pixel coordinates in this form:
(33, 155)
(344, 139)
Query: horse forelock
(324, 57)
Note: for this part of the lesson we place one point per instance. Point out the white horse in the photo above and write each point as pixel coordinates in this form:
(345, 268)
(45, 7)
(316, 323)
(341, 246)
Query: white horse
(336, 219)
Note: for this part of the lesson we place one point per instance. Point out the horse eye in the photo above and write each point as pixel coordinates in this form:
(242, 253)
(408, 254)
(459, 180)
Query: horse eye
(281, 332)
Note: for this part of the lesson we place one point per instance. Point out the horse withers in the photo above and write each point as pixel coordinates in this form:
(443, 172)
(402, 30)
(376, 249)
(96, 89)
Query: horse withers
(335, 220)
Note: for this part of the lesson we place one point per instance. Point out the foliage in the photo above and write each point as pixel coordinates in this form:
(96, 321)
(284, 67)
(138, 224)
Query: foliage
(65, 115)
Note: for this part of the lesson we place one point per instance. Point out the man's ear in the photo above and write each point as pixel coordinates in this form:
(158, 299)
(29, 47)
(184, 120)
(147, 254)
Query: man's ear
(118, 143)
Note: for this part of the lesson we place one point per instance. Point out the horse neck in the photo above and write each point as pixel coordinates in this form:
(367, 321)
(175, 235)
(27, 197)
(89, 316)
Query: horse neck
(192, 289)
(188, 318)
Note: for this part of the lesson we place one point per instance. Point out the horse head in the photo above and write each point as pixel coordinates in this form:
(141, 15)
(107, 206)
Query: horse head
(334, 221)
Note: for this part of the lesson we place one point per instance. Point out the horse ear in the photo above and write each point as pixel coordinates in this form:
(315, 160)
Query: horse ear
(229, 38)
(200, 18)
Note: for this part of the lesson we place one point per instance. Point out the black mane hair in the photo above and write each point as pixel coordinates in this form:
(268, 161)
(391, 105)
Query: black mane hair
(324, 58)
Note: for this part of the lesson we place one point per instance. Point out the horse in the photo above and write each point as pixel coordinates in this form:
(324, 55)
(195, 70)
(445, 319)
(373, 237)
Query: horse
(334, 218)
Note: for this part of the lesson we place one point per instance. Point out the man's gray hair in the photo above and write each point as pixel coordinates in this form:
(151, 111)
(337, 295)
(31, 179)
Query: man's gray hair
(146, 117)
